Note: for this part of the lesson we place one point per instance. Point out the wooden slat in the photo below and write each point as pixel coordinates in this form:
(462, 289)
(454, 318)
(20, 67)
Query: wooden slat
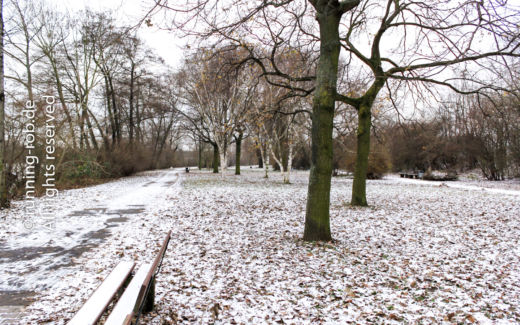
(150, 274)
(98, 302)
(126, 303)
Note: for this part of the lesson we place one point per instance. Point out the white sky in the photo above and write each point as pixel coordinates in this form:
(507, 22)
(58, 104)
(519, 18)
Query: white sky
(130, 12)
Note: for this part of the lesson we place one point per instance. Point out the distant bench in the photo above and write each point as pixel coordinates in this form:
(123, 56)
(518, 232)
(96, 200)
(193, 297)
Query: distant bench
(136, 298)
(418, 175)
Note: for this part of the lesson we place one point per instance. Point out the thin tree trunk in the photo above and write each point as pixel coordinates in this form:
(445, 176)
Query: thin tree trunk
(238, 153)
(223, 160)
(131, 107)
(138, 132)
(109, 110)
(287, 180)
(117, 120)
(61, 96)
(104, 137)
(215, 158)
(163, 141)
(200, 155)
(260, 160)
(89, 126)
(4, 200)
(265, 160)
(222, 164)
(279, 162)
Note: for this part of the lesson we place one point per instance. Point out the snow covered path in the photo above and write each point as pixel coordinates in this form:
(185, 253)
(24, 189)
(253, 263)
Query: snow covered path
(37, 259)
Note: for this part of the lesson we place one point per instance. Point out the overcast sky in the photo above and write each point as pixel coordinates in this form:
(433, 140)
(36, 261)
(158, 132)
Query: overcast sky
(130, 12)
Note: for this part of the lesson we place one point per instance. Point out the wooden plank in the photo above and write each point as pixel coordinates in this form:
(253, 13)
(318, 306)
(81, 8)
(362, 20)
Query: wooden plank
(142, 293)
(98, 302)
(126, 303)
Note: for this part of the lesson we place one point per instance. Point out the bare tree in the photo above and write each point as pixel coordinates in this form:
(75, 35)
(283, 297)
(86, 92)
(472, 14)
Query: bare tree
(50, 41)
(419, 43)
(20, 47)
(4, 201)
(218, 96)
(281, 24)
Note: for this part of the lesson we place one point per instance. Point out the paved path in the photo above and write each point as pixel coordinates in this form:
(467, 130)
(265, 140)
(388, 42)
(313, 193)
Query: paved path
(453, 184)
(33, 261)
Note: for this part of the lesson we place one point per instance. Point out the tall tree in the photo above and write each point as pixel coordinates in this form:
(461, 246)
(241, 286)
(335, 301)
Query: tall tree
(50, 42)
(4, 201)
(218, 96)
(420, 45)
(280, 23)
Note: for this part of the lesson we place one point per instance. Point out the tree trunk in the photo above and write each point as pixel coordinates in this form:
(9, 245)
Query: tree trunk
(265, 159)
(238, 153)
(104, 137)
(279, 162)
(287, 179)
(223, 161)
(359, 197)
(200, 155)
(222, 150)
(115, 110)
(163, 142)
(131, 107)
(364, 108)
(61, 96)
(109, 110)
(260, 160)
(317, 217)
(215, 158)
(4, 201)
(90, 129)
(138, 133)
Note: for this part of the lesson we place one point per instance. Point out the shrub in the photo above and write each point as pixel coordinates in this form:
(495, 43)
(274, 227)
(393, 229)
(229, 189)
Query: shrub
(379, 162)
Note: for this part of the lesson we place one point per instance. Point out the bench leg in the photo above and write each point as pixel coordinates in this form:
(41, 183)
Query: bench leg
(150, 298)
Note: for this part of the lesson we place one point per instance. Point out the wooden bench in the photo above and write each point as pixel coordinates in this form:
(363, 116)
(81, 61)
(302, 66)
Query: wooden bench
(137, 297)
(411, 175)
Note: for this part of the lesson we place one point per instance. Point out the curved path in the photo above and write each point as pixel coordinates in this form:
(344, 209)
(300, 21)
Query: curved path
(34, 260)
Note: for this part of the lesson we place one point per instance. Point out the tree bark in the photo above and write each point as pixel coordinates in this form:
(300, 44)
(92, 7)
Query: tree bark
(115, 110)
(317, 217)
(59, 87)
(131, 107)
(109, 110)
(265, 152)
(359, 197)
(215, 158)
(4, 201)
(163, 142)
(200, 155)
(223, 162)
(90, 129)
(364, 109)
(279, 162)
(259, 156)
(238, 153)
(287, 179)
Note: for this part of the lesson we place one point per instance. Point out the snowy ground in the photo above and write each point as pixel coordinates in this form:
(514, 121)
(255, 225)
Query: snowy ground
(421, 253)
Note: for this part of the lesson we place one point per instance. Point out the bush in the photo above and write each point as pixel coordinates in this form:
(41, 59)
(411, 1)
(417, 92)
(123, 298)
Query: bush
(121, 161)
(379, 162)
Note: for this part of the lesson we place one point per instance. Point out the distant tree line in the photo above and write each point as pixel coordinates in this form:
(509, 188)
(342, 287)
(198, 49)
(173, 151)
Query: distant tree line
(465, 133)
(114, 98)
